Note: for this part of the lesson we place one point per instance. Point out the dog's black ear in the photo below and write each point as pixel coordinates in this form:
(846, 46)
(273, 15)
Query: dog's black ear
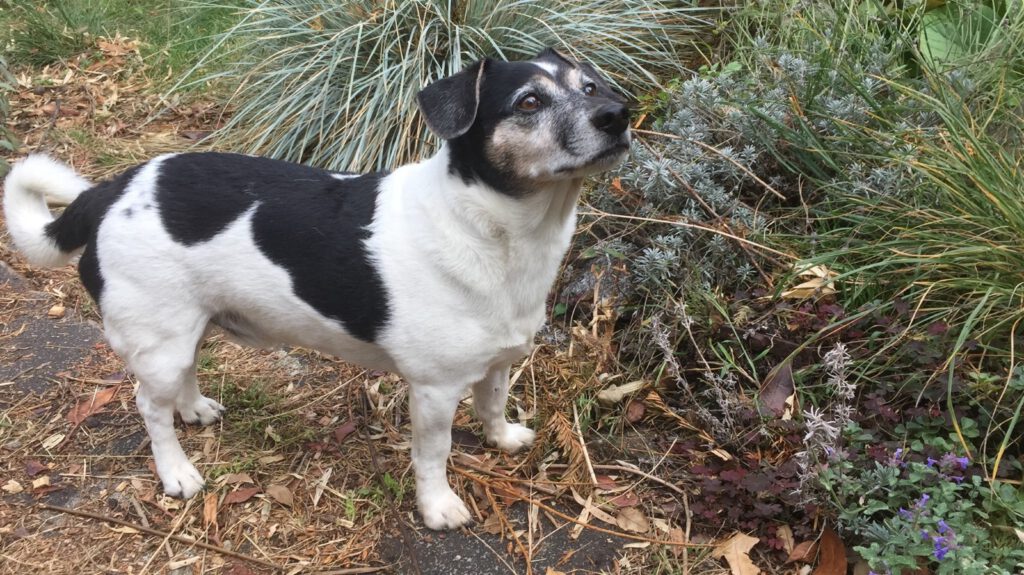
(449, 104)
(552, 54)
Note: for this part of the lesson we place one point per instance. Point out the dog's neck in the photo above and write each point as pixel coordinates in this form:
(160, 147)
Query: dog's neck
(543, 210)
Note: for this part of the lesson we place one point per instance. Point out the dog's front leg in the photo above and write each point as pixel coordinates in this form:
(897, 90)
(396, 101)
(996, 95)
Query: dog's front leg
(432, 408)
(489, 398)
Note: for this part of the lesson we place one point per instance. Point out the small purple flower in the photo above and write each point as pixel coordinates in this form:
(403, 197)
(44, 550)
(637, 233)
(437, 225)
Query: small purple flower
(943, 527)
(922, 501)
(963, 462)
(941, 548)
(906, 514)
(932, 462)
(925, 535)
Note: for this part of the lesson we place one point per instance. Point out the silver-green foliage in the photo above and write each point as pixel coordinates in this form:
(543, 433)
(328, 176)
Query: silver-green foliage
(334, 83)
(7, 140)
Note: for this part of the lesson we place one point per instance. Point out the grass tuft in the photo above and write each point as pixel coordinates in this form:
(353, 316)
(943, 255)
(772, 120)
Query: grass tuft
(334, 84)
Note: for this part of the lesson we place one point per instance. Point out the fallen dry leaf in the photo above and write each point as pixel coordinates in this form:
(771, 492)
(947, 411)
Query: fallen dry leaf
(803, 552)
(777, 388)
(831, 554)
(56, 312)
(616, 393)
(236, 478)
(736, 552)
(492, 524)
(635, 411)
(344, 430)
(210, 510)
(819, 282)
(41, 482)
(240, 495)
(281, 494)
(52, 441)
(785, 534)
(92, 404)
(33, 468)
(13, 487)
(625, 500)
(632, 519)
(551, 571)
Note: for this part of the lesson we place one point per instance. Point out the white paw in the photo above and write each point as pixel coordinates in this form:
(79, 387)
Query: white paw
(443, 510)
(512, 437)
(180, 479)
(203, 411)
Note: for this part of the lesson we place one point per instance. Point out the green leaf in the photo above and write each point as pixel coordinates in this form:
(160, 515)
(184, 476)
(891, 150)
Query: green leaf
(955, 30)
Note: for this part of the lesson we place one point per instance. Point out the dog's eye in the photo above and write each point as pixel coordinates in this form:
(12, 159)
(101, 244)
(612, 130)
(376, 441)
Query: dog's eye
(529, 103)
(590, 88)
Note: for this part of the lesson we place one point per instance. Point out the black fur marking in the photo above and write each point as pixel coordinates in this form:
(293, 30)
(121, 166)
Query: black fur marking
(449, 105)
(89, 272)
(77, 226)
(308, 222)
(127, 212)
(468, 151)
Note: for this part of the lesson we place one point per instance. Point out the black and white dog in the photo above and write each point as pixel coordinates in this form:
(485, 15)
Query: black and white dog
(438, 271)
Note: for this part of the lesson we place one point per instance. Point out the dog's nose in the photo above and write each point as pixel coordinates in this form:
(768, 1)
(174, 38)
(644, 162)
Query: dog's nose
(611, 118)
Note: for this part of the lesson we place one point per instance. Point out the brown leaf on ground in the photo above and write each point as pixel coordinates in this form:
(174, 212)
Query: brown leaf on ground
(210, 510)
(492, 524)
(344, 430)
(92, 404)
(777, 388)
(635, 411)
(831, 555)
(632, 519)
(785, 534)
(239, 569)
(281, 494)
(241, 495)
(804, 552)
(625, 500)
(736, 552)
(33, 468)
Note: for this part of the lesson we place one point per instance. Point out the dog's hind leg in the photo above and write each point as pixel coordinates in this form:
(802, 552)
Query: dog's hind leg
(191, 404)
(162, 356)
(489, 398)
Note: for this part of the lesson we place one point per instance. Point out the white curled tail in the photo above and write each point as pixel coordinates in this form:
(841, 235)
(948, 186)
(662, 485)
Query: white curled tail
(32, 183)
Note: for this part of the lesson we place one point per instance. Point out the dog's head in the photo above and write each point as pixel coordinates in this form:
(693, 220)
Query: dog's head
(518, 125)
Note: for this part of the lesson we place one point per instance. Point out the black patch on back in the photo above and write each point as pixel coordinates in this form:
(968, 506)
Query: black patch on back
(308, 222)
(78, 224)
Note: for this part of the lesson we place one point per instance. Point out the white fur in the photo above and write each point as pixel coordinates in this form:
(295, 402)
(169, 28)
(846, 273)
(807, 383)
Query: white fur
(31, 184)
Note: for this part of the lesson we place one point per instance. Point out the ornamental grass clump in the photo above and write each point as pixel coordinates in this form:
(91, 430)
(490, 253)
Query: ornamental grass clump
(334, 83)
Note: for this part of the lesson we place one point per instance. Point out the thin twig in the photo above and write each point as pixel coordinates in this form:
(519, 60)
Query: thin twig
(685, 224)
(158, 533)
(643, 474)
(558, 513)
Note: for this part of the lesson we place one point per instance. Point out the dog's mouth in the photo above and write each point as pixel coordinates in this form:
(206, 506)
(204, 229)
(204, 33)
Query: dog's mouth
(602, 160)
